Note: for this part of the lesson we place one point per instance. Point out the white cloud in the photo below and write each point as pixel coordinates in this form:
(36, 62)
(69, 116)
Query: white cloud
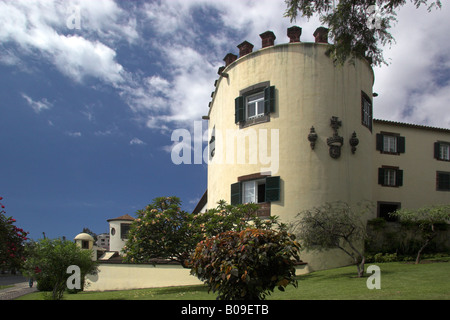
(73, 134)
(39, 28)
(415, 86)
(37, 106)
(136, 141)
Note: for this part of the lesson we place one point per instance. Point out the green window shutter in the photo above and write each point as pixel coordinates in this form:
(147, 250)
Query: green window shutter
(401, 144)
(239, 108)
(379, 142)
(437, 150)
(443, 181)
(381, 176)
(236, 193)
(399, 178)
(272, 189)
(269, 99)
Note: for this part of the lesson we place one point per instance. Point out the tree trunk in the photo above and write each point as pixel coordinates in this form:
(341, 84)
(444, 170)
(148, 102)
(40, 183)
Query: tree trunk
(421, 249)
(427, 241)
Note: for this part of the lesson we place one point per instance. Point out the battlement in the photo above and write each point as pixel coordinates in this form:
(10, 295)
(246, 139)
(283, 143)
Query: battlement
(268, 40)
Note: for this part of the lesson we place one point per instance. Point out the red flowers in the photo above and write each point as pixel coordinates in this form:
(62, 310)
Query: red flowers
(11, 251)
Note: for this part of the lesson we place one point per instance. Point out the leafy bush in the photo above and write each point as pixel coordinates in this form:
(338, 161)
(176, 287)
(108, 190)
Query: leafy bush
(246, 265)
(48, 260)
(163, 231)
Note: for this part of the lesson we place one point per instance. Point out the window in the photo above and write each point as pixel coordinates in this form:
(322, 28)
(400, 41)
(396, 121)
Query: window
(385, 208)
(256, 191)
(255, 104)
(84, 244)
(390, 143)
(366, 111)
(442, 151)
(442, 181)
(124, 229)
(390, 177)
(212, 144)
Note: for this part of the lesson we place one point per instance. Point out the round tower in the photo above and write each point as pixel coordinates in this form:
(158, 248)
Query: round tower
(291, 130)
(118, 232)
(84, 241)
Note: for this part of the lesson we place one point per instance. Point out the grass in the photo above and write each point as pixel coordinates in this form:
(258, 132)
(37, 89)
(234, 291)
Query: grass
(429, 280)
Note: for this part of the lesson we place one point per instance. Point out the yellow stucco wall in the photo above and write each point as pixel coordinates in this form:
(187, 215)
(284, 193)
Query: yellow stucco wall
(418, 164)
(309, 91)
(126, 277)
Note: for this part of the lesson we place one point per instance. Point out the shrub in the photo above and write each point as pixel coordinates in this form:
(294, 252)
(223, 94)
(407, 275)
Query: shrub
(48, 260)
(246, 265)
(163, 231)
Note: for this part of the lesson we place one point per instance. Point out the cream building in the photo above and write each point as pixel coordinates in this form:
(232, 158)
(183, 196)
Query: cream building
(118, 232)
(289, 130)
(86, 241)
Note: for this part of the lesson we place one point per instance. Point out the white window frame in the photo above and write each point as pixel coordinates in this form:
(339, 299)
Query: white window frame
(390, 143)
(390, 177)
(444, 151)
(258, 100)
(367, 116)
(250, 190)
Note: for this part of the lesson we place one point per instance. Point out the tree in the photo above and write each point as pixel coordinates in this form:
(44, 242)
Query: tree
(428, 219)
(90, 232)
(246, 265)
(12, 241)
(49, 259)
(334, 226)
(358, 27)
(163, 231)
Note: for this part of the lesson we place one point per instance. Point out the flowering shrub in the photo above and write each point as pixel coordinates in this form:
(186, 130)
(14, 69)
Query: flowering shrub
(48, 260)
(163, 231)
(11, 242)
(246, 265)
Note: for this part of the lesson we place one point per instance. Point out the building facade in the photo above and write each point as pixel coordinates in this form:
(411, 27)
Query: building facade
(118, 232)
(290, 130)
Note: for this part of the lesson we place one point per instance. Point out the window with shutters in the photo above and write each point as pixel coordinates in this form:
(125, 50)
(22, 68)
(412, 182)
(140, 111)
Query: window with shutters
(390, 143)
(442, 151)
(254, 189)
(390, 176)
(442, 181)
(366, 111)
(255, 104)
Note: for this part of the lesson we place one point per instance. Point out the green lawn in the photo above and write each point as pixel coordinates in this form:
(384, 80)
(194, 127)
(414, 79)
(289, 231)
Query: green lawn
(399, 280)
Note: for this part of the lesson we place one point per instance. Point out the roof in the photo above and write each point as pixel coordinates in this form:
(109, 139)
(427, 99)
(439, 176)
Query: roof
(202, 202)
(410, 125)
(125, 217)
(84, 236)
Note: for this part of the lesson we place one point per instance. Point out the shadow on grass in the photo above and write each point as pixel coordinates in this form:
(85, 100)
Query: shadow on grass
(175, 290)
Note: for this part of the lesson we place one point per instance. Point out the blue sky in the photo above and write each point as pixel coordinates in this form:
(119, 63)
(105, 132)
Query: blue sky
(86, 114)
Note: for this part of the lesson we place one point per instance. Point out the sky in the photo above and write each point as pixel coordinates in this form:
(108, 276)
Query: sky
(91, 92)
